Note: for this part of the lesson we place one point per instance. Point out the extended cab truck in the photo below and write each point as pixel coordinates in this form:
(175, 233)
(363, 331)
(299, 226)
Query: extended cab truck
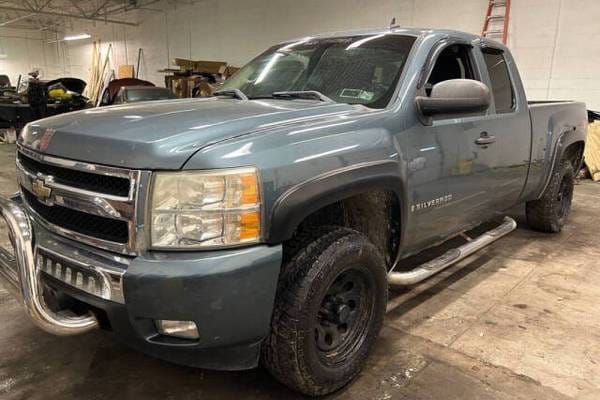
(266, 223)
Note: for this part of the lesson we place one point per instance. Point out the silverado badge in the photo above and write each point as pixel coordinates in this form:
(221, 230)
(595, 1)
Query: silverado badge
(431, 203)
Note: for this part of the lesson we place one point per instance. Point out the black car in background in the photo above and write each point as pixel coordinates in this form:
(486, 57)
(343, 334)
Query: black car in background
(58, 96)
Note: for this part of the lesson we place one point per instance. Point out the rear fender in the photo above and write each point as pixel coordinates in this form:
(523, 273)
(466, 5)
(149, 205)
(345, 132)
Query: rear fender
(563, 141)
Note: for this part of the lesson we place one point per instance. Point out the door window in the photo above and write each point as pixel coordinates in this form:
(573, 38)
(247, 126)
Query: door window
(454, 62)
(502, 88)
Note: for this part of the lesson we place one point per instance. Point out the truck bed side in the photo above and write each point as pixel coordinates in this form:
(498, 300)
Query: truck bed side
(555, 127)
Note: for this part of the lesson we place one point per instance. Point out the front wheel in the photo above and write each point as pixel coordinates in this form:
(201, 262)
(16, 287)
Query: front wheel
(550, 212)
(328, 312)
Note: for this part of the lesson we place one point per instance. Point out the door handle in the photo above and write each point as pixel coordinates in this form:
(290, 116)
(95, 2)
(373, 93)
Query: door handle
(485, 139)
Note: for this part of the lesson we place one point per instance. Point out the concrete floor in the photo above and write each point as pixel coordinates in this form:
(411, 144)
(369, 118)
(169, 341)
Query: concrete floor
(519, 320)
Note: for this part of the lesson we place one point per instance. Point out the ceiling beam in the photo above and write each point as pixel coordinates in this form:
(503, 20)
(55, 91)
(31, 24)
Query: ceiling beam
(67, 15)
(27, 28)
(81, 10)
(126, 8)
(100, 8)
(17, 19)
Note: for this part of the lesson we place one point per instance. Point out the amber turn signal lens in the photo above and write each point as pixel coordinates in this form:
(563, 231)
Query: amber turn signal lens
(249, 189)
(250, 225)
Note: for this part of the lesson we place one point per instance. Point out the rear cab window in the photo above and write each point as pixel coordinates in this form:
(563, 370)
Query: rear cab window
(502, 86)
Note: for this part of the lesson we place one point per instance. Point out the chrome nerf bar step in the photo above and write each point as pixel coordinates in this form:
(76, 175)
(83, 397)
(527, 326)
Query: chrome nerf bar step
(451, 257)
(20, 276)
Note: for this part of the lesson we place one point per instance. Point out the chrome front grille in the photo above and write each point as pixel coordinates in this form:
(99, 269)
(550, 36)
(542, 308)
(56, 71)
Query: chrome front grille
(109, 229)
(92, 204)
(115, 185)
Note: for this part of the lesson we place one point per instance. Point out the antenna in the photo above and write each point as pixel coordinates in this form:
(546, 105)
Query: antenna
(393, 24)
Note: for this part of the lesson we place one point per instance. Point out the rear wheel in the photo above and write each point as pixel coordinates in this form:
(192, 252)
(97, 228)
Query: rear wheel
(550, 212)
(328, 312)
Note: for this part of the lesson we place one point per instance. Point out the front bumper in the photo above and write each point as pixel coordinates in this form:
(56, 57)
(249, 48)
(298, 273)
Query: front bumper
(229, 294)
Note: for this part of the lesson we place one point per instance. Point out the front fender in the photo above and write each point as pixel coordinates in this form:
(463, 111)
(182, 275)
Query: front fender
(303, 199)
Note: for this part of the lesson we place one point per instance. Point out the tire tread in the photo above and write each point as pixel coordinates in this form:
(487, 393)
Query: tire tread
(542, 214)
(281, 355)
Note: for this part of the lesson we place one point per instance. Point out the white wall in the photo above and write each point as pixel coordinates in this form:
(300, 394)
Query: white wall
(27, 50)
(237, 30)
(556, 42)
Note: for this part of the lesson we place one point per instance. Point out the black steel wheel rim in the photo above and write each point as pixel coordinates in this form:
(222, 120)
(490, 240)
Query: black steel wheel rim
(564, 197)
(344, 316)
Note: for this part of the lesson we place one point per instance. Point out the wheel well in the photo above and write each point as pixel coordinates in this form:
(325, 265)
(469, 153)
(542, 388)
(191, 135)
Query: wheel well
(574, 153)
(376, 214)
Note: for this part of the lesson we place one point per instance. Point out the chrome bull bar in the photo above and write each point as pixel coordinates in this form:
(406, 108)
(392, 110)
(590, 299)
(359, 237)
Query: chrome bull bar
(20, 276)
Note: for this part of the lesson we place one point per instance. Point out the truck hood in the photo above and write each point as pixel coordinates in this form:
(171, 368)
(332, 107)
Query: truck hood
(163, 134)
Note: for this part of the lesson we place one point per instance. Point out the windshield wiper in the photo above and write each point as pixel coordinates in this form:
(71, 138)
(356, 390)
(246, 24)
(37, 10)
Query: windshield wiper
(237, 93)
(302, 94)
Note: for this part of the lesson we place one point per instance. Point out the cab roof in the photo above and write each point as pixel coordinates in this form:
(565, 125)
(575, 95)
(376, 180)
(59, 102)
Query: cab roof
(416, 32)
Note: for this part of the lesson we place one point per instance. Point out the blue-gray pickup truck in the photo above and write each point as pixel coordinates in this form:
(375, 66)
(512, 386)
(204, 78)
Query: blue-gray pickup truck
(266, 223)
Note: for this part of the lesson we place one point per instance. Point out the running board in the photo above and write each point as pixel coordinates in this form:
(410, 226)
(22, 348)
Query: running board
(451, 257)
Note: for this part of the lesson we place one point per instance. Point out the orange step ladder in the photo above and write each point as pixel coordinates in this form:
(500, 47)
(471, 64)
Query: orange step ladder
(495, 25)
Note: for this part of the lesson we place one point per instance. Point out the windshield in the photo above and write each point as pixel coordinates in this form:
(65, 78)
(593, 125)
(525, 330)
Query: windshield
(354, 69)
(147, 94)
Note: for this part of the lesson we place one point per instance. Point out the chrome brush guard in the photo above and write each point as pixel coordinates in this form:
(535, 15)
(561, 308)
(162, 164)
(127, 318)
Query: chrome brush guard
(20, 276)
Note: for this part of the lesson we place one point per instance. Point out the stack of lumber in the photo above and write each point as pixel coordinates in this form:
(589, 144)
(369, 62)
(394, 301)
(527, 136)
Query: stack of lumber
(592, 150)
(98, 72)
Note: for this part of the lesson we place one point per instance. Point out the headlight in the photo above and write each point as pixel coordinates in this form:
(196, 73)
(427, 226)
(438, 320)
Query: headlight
(199, 209)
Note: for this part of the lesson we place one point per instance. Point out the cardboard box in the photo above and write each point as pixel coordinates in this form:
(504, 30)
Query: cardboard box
(211, 67)
(126, 71)
(230, 71)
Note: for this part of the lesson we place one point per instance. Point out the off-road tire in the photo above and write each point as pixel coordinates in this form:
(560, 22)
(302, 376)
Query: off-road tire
(291, 352)
(550, 212)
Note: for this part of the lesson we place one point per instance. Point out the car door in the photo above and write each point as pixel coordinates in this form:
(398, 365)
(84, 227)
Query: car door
(450, 161)
(509, 127)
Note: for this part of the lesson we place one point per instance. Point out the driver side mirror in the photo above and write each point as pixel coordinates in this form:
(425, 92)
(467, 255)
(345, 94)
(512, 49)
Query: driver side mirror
(455, 96)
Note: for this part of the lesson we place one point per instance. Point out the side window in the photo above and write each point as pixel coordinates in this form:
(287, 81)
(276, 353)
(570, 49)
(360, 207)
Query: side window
(121, 97)
(454, 62)
(502, 88)
(105, 98)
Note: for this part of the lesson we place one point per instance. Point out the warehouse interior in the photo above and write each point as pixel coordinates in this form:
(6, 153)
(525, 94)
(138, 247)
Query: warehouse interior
(515, 320)
(559, 32)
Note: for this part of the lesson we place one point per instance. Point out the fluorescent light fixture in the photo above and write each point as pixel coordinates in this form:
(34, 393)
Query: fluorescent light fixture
(77, 37)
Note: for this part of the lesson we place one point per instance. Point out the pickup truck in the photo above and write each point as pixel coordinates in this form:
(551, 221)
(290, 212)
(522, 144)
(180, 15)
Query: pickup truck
(266, 223)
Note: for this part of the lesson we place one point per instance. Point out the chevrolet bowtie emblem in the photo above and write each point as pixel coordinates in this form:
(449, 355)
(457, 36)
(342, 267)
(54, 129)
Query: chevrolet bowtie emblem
(40, 189)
